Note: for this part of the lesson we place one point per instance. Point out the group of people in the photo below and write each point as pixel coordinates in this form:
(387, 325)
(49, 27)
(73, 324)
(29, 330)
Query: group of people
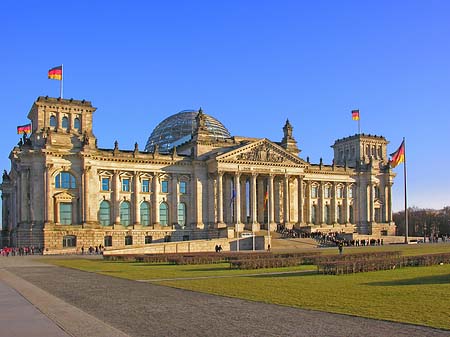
(218, 248)
(20, 251)
(92, 250)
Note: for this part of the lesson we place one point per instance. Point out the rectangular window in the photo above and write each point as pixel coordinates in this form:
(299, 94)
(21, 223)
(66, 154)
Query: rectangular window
(148, 239)
(164, 186)
(69, 241)
(126, 185)
(183, 186)
(350, 192)
(314, 192)
(108, 241)
(327, 192)
(145, 186)
(65, 213)
(105, 184)
(128, 240)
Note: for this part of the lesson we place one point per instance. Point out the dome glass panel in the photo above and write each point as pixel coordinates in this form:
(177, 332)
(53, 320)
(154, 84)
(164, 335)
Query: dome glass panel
(179, 128)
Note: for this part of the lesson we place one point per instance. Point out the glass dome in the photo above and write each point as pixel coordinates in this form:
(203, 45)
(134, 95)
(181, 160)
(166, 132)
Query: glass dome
(178, 129)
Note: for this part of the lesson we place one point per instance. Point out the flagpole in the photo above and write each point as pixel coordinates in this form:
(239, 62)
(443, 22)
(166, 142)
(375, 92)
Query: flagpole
(61, 82)
(406, 199)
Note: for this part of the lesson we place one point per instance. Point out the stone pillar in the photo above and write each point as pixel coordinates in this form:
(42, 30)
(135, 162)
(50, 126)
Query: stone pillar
(388, 202)
(85, 195)
(136, 192)
(371, 203)
(48, 195)
(346, 208)
(308, 202)
(300, 192)
(174, 200)
(220, 199)
(243, 200)
(286, 201)
(155, 199)
(116, 201)
(260, 207)
(271, 203)
(254, 204)
(333, 204)
(321, 204)
(237, 201)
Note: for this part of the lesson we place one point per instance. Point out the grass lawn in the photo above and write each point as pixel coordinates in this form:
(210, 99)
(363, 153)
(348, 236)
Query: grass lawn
(417, 295)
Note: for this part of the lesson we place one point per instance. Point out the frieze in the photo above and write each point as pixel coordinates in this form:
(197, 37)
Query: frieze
(261, 153)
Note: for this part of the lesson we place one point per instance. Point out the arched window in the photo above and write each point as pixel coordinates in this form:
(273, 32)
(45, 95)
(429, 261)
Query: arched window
(314, 191)
(163, 214)
(327, 191)
(65, 122)
(339, 192)
(125, 216)
(350, 211)
(104, 215)
(77, 124)
(53, 123)
(145, 213)
(182, 213)
(65, 180)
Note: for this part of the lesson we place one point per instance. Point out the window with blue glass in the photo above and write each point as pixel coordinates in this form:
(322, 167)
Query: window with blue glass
(105, 213)
(183, 187)
(77, 124)
(314, 191)
(126, 185)
(65, 213)
(105, 184)
(65, 180)
(145, 187)
(182, 213)
(145, 213)
(164, 186)
(65, 122)
(53, 123)
(163, 214)
(125, 215)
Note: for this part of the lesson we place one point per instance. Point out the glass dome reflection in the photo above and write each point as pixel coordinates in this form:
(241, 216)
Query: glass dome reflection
(178, 129)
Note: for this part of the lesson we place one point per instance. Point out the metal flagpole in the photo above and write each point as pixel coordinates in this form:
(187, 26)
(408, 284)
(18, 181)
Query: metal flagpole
(61, 84)
(268, 218)
(406, 199)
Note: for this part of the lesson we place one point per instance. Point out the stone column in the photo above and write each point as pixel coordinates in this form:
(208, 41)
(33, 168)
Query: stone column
(286, 201)
(321, 204)
(389, 202)
(155, 199)
(260, 208)
(372, 203)
(271, 203)
(84, 192)
(174, 198)
(254, 204)
(220, 199)
(333, 203)
(346, 208)
(308, 202)
(300, 192)
(136, 190)
(48, 195)
(116, 192)
(237, 201)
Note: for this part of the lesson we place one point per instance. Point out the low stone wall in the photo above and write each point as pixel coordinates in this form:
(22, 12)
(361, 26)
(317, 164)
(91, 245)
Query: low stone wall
(193, 246)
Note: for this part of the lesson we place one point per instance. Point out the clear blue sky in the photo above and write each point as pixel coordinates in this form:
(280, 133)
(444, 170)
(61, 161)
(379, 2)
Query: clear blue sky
(251, 64)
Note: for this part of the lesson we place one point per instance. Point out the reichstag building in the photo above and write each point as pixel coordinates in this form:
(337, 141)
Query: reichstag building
(193, 180)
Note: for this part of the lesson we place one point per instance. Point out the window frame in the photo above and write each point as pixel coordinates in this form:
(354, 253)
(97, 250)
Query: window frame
(126, 184)
(125, 221)
(143, 223)
(69, 241)
(164, 214)
(164, 186)
(65, 180)
(183, 187)
(65, 220)
(145, 186)
(101, 219)
(102, 187)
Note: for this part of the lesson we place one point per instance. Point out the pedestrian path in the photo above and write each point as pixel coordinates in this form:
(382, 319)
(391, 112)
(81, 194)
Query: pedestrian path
(20, 318)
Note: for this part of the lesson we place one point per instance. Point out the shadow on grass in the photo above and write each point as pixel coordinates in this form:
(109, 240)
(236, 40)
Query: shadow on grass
(438, 279)
(290, 274)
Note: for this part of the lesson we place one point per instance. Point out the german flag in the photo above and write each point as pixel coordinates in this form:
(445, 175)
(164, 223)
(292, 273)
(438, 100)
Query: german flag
(398, 156)
(55, 73)
(266, 198)
(24, 129)
(355, 115)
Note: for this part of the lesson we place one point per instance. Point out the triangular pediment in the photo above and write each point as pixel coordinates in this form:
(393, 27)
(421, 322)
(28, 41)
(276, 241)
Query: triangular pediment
(261, 152)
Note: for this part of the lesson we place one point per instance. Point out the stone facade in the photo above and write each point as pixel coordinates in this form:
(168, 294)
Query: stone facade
(63, 192)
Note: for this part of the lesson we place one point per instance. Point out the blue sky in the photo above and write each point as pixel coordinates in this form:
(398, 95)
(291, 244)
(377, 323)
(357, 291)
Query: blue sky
(250, 64)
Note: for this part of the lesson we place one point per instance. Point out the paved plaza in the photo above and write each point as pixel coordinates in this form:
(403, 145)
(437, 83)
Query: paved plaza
(42, 300)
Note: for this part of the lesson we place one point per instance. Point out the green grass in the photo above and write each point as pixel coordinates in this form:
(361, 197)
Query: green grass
(411, 295)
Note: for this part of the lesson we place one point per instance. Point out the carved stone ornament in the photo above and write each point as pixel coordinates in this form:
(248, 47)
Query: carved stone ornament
(261, 153)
